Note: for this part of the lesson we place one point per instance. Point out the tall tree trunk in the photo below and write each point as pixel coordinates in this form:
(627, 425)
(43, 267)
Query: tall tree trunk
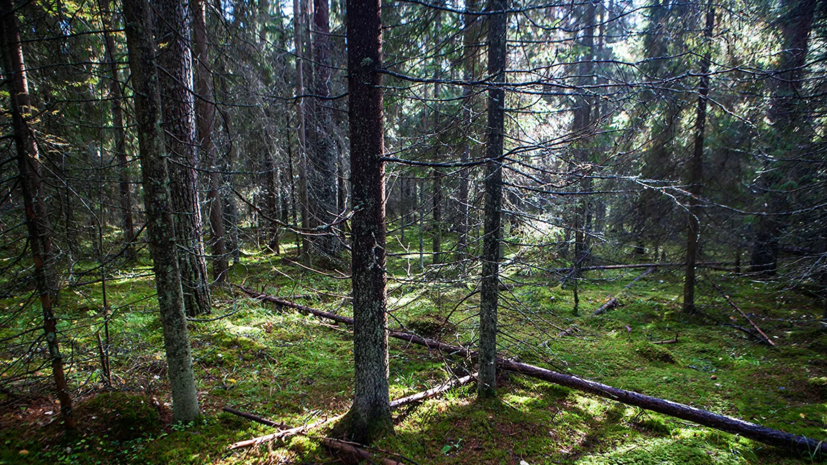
(32, 189)
(142, 53)
(299, 22)
(498, 22)
(370, 416)
(785, 114)
(696, 169)
(322, 154)
(437, 216)
(124, 188)
(469, 50)
(172, 35)
(205, 123)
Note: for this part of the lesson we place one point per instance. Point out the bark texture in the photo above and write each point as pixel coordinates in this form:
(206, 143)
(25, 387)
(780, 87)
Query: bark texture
(175, 79)
(370, 415)
(205, 123)
(32, 190)
(158, 203)
(487, 381)
(696, 170)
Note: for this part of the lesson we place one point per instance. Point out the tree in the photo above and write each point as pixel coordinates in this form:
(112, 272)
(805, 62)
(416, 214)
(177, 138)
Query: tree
(124, 184)
(157, 198)
(32, 189)
(489, 291)
(696, 168)
(370, 416)
(205, 122)
(172, 36)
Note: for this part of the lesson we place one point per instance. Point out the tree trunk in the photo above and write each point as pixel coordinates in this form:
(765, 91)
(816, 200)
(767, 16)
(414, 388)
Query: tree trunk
(437, 217)
(785, 115)
(487, 382)
(160, 222)
(322, 154)
(172, 31)
(299, 22)
(469, 50)
(696, 169)
(124, 184)
(370, 416)
(205, 121)
(32, 189)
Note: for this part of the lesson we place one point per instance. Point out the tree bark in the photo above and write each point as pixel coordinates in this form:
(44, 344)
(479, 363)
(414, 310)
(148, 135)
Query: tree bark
(696, 169)
(32, 189)
(175, 79)
(205, 124)
(157, 198)
(370, 416)
(299, 22)
(322, 157)
(124, 184)
(470, 38)
(487, 381)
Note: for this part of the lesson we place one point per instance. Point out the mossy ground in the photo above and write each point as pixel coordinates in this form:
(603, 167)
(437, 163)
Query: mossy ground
(295, 368)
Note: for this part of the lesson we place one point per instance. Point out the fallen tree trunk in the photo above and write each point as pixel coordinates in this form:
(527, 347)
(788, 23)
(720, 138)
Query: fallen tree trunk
(358, 452)
(254, 418)
(613, 302)
(420, 396)
(282, 434)
(642, 265)
(702, 417)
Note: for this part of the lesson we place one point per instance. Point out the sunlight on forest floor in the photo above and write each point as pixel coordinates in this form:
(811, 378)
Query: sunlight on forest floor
(293, 368)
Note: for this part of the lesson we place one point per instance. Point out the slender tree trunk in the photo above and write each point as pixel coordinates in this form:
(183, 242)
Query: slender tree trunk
(157, 197)
(322, 154)
(437, 217)
(299, 22)
(370, 416)
(172, 31)
(32, 189)
(469, 49)
(696, 168)
(498, 21)
(125, 194)
(205, 122)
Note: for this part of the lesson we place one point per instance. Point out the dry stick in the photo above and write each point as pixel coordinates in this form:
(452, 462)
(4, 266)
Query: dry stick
(612, 303)
(282, 434)
(769, 341)
(255, 418)
(642, 265)
(670, 341)
(293, 431)
(725, 423)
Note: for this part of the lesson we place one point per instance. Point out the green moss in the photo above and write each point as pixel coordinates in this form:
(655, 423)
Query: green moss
(653, 352)
(126, 416)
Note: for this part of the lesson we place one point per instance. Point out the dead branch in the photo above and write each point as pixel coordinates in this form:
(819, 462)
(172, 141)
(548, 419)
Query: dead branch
(358, 452)
(254, 418)
(721, 291)
(670, 341)
(420, 396)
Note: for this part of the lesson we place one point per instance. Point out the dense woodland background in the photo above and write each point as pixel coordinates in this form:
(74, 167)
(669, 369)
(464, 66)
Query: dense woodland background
(629, 191)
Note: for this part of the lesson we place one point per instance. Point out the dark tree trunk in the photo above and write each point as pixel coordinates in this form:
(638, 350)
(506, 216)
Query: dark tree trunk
(172, 29)
(498, 21)
(158, 203)
(437, 217)
(125, 194)
(322, 154)
(785, 114)
(469, 50)
(299, 22)
(696, 170)
(32, 189)
(205, 119)
(370, 416)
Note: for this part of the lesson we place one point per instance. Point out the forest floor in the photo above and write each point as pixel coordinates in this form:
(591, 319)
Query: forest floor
(295, 368)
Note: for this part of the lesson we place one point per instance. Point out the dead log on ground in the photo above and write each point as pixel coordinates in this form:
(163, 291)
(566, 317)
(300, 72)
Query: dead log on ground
(725, 423)
(254, 418)
(420, 396)
(362, 454)
(613, 302)
(670, 341)
(284, 434)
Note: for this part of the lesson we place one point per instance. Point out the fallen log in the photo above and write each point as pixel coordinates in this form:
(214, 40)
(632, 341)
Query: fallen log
(420, 396)
(282, 434)
(670, 341)
(725, 423)
(613, 302)
(641, 265)
(358, 452)
(718, 288)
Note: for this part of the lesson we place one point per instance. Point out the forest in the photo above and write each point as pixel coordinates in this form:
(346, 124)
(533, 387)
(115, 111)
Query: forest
(413, 231)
